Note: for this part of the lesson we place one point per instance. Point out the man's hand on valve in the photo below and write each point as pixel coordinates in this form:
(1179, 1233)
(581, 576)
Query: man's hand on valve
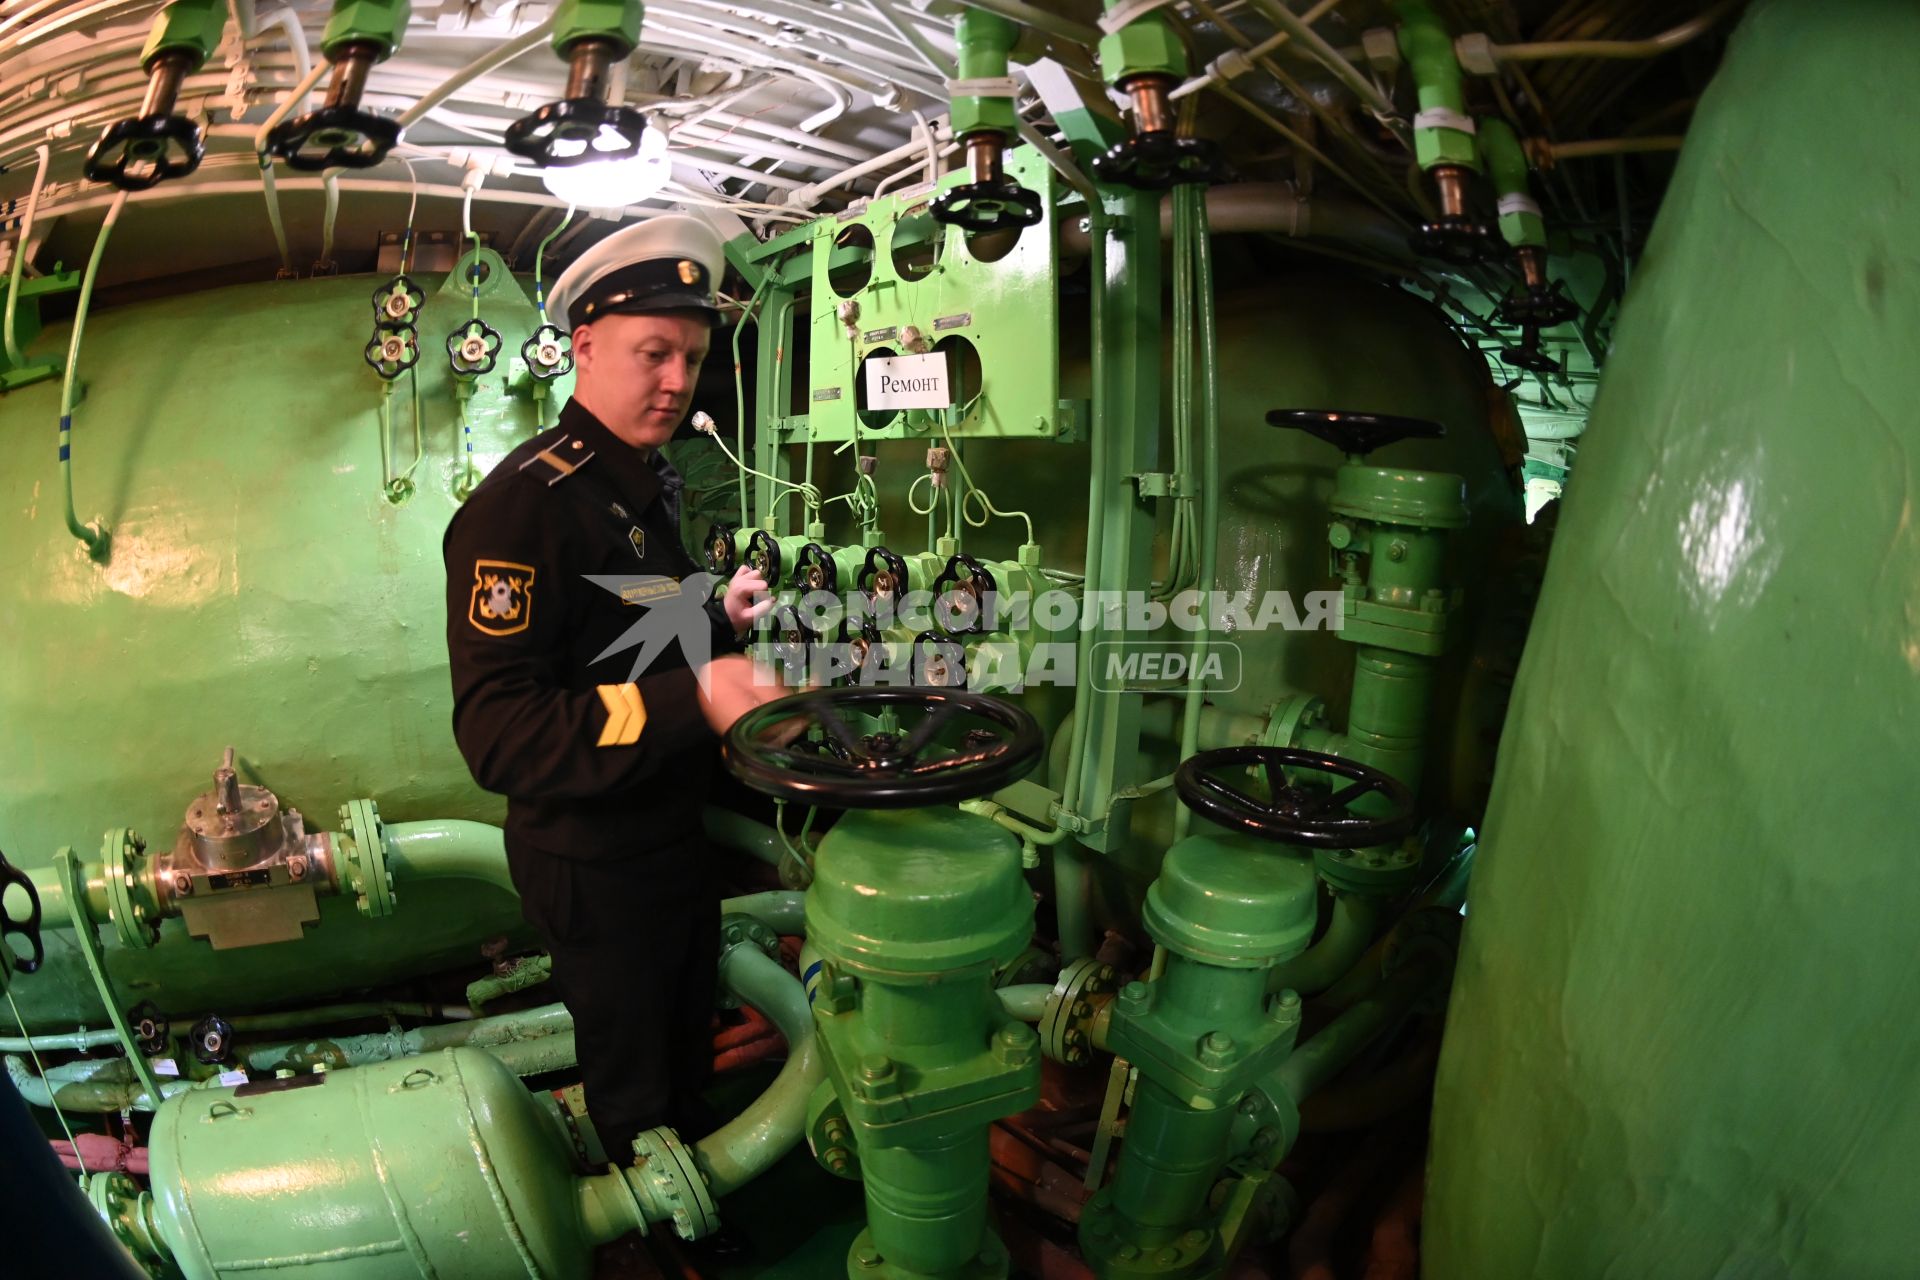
(747, 598)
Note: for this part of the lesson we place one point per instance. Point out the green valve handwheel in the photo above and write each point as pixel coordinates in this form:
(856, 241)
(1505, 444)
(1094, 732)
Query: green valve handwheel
(958, 746)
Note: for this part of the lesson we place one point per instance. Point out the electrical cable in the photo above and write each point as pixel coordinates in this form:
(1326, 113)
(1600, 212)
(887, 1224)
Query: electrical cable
(52, 1098)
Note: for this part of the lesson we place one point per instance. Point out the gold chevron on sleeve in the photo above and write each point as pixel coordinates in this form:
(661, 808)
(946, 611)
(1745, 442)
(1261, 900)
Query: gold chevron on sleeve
(626, 715)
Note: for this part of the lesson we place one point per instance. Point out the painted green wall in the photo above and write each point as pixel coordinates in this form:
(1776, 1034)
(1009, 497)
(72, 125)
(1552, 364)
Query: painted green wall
(1682, 1039)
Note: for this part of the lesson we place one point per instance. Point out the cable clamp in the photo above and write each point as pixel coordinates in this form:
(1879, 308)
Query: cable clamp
(983, 87)
(1113, 20)
(1444, 118)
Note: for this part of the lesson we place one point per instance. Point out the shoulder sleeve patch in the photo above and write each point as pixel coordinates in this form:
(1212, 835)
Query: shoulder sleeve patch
(502, 601)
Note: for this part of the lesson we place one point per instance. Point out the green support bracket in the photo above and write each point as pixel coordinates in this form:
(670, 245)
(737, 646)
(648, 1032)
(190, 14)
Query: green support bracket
(192, 27)
(616, 21)
(73, 885)
(26, 326)
(1443, 132)
(380, 23)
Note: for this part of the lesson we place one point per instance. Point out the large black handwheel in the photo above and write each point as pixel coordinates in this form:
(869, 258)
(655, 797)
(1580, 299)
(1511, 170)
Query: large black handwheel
(1159, 161)
(989, 743)
(27, 926)
(1296, 813)
(139, 153)
(336, 137)
(1359, 433)
(576, 131)
(988, 206)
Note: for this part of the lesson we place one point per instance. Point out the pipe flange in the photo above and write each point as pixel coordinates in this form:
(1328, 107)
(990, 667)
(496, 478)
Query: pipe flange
(672, 1186)
(1286, 719)
(1379, 870)
(121, 1204)
(830, 1136)
(738, 929)
(1265, 1124)
(366, 868)
(989, 1261)
(1066, 1027)
(131, 904)
(1106, 1243)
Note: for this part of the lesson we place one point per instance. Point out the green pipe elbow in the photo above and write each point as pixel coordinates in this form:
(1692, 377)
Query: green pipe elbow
(1349, 934)
(449, 849)
(1520, 220)
(1442, 132)
(755, 1140)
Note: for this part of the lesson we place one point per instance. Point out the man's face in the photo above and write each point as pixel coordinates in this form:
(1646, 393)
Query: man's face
(636, 373)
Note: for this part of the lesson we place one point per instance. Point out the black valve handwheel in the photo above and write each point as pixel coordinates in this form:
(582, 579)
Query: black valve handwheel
(988, 206)
(144, 151)
(763, 554)
(814, 570)
(789, 642)
(397, 302)
(335, 137)
(548, 353)
(883, 770)
(721, 559)
(883, 574)
(150, 1028)
(1462, 241)
(1308, 814)
(964, 596)
(867, 651)
(472, 348)
(1159, 161)
(1360, 433)
(1539, 308)
(938, 661)
(27, 926)
(393, 351)
(211, 1040)
(576, 131)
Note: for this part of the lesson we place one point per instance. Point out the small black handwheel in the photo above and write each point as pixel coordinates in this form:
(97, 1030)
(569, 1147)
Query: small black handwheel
(988, 206)
(472, 348)
(548, 353)
(763, 555)
(139, 153)
(336, 137)
(1462, 241)
(790, 643)
(883, 575)
(721, 560)
(393, 351)
(151, 1030)
(1529, 356)
(1159, 161)
(868, 653)
(814, 569)
(397, 302)
(1539, 308)
(938, 661)
(1359, 433)
(965, 596)
(576, 131)
(1310, 815)
(211, 1039)
(27, 926)
(988, 743)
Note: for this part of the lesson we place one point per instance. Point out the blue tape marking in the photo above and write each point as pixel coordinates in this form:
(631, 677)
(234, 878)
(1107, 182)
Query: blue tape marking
(807, 979)
(66, 451)
(66, 422)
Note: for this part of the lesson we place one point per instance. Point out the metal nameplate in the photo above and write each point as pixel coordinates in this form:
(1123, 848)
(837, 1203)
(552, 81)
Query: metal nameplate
(959, 321)
(826, 393)
(887, 334)
(252, 1087)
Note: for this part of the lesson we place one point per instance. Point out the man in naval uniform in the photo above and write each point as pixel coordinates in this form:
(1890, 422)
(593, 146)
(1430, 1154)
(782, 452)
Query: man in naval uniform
(604, 764)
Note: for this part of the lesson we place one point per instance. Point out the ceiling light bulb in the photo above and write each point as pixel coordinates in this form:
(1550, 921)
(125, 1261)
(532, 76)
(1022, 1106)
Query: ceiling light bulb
(614, 184)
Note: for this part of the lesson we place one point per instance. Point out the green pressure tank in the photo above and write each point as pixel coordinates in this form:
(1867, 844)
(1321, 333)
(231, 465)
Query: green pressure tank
(262, 593)
(1682, 1039)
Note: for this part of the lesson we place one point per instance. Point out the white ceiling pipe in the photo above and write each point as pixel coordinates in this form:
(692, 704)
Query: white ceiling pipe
(872, 79)
(532, 38)
(823, 23)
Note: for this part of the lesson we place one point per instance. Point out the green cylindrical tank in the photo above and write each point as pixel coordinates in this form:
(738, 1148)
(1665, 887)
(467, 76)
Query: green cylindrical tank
(262, 592)
(442, 1165)
(1681, 1040)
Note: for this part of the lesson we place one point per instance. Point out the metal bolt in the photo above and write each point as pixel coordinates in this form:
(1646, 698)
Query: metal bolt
(1126, 1253)
(1396, 550)
(1194, 1239)
(867, 1256)
(297, 867)
(1133, 998)
(875, 1067)
(182, 884)
(836, 1159)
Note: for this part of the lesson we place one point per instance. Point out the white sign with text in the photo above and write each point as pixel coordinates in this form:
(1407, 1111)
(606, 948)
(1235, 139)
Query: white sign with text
(908, 382)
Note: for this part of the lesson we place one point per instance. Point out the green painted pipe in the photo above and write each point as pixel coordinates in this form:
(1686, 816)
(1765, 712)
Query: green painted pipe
(984, 41)
(756, 1139)
(93, 536)
(448, 849)
(1328, 1052)
(1446, 138)
(104, 1097)
(1520, 220)
(1349, 933)
(1027, 1002)
(91, 1039)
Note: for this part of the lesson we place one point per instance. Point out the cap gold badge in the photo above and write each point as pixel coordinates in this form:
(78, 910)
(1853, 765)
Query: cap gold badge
(689, 272)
